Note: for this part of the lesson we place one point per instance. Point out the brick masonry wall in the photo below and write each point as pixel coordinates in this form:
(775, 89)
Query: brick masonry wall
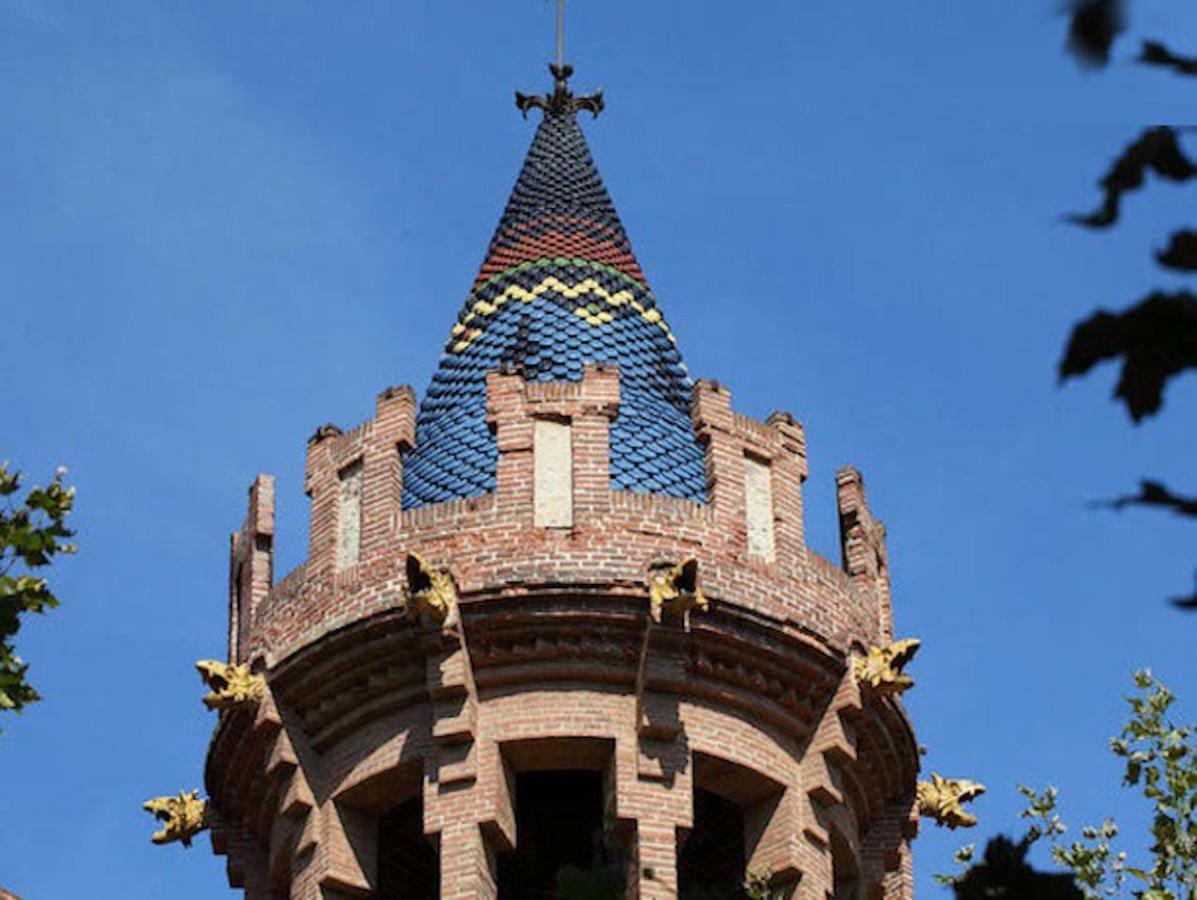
(752, 699)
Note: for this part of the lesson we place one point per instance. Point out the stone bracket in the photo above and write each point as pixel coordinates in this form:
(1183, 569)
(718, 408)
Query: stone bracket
(453, 696)
(660, 669)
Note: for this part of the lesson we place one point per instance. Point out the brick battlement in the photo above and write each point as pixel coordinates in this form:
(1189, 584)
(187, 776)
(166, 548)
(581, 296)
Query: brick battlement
(553, 660)
(494, 546)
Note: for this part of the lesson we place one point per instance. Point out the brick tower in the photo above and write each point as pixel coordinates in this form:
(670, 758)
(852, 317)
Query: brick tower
(558, 632)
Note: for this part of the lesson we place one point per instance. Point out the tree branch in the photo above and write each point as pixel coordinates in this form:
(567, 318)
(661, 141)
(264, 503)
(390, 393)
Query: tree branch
(1152, 493)
(1156, 150)
(1156, 54)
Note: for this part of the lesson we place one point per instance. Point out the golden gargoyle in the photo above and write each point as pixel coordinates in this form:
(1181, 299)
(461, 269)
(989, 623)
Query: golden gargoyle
(430, 593)
(677, 591)
(183, 817)
(881, 668)
(941, 798)
(231, 685)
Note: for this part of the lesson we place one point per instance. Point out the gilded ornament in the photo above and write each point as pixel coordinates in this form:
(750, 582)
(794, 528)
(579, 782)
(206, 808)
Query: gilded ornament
(677, 592)
(430, 593)
(231, 685)
(941, 798)
(881, 668)
(183, 817)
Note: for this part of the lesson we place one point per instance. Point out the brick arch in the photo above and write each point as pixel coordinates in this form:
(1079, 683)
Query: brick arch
(386, 753)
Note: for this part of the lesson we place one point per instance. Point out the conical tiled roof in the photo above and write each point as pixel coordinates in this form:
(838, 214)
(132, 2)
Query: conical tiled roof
(560, 288)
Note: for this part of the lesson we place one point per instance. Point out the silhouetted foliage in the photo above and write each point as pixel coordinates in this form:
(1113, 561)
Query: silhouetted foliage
(1158, 151)
(1095, 24)
(1160, 760)
(1152, 493)
(1156, 340)
(1181, 252)
(1156, 54)
(32, 530)
(1005, 874)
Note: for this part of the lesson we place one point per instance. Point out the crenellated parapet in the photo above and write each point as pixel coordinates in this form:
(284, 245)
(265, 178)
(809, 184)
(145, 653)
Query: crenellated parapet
(417, 653)
(554, 516)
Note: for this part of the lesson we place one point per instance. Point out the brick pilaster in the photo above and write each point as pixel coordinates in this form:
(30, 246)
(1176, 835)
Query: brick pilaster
(862, 544)
(790, 471)
(251, 565)
(468, 869)
(714, 427)
(320, 484)
(389, 435)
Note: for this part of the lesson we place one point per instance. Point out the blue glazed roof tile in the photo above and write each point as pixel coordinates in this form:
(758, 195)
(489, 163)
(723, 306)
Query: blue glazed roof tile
(560, 287)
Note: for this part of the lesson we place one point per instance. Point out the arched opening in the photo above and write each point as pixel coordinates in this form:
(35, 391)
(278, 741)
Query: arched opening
(845, 872)
(561, 848)
(712, 860)
(408, 864)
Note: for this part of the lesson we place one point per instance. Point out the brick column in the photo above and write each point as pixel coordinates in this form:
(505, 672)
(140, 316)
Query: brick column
(886, 865)
(655, 775)
(321, 485)
(388, 435)
(775, 840)
(598, 405)
(862, 543)
(468, 870)
(789, 473)
(506, 414)
(251, 564)
(468, 808)
(714, 427)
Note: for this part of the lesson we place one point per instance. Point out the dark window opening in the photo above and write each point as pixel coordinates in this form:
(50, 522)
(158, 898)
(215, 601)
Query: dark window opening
(561, 849)
(712, 860)
(408, 864)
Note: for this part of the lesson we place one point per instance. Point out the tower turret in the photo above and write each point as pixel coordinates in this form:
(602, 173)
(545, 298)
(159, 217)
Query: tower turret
(558, 629)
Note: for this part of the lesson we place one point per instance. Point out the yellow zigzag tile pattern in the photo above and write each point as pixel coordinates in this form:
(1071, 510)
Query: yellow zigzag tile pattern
(588, 287)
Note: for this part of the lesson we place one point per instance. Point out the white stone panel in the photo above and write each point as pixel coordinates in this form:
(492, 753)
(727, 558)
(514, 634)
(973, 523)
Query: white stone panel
(758, 497)
(349, 517)
(553, 488)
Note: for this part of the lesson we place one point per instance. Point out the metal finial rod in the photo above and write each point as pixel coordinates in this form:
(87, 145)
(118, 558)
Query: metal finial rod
(562, 99)
(560, 32)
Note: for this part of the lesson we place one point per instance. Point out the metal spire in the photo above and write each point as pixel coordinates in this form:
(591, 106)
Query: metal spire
(560, 32)
(562, 99)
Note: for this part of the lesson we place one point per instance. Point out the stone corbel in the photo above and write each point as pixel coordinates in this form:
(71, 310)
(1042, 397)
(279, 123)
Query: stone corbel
(832, 746)
(431, 598)
(674, 592)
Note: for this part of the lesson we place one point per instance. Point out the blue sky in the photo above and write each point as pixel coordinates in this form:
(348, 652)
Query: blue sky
(224, 223)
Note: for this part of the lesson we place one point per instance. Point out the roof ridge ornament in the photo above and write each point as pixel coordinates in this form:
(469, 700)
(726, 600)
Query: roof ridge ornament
(562, 101)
